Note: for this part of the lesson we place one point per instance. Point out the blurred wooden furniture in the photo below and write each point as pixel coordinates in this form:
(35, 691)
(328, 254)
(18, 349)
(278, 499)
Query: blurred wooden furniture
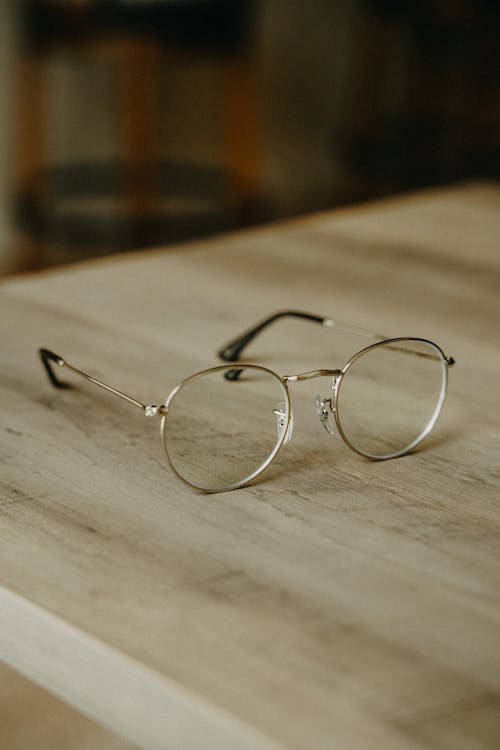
(137, 39)
(336, 603)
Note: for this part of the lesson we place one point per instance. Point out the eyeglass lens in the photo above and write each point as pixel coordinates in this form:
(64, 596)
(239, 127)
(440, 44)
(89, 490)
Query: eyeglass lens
(390, 397)
(220, 432)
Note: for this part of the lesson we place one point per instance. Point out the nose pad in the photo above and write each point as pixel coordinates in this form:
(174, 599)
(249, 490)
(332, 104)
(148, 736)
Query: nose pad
(280, 413)
(324, 412)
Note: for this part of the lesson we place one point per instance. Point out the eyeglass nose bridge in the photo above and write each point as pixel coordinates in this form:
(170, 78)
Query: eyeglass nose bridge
(335, 374)
(325, 407)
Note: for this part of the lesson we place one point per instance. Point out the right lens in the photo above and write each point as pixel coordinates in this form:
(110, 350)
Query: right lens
(390, 396)
(219, 433)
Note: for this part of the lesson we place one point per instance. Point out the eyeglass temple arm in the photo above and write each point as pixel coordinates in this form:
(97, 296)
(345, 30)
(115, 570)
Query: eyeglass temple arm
(49, 359)
(232, 350)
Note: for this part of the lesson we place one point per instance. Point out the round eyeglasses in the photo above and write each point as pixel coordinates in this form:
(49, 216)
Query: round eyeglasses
(220, 431)
(222, 427)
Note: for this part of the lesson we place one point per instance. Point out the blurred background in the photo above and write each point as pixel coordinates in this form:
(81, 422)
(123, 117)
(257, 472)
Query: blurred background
(135, 123)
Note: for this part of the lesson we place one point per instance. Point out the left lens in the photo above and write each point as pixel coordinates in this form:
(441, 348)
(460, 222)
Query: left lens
(390, 396)
(218, 433)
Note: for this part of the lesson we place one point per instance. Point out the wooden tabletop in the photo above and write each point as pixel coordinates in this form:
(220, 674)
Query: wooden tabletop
(336, 603)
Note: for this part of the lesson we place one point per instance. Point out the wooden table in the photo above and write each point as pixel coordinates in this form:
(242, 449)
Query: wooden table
(337, 603)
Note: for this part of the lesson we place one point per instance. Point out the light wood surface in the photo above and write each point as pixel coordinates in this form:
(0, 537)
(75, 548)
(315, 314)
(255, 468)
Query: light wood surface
(338, 603)
(32, 719)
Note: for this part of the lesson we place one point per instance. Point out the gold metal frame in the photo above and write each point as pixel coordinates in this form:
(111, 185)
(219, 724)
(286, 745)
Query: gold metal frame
(337, 375)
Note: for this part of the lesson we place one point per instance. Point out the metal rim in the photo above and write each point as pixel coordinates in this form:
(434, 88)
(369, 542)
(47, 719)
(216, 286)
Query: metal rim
(220, 368)
(430, 424)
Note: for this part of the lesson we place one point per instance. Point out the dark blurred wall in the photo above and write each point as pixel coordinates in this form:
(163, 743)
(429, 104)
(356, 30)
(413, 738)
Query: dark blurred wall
(338, 102)
(422, 97)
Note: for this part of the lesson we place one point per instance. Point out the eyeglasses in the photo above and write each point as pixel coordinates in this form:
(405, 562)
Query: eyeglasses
(222, 427)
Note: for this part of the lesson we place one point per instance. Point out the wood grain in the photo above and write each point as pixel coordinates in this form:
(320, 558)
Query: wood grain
(336, 603)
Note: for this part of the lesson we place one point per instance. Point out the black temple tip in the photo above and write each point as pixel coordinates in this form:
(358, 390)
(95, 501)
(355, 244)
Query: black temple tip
(233, 374)
(47, 358)
(232, 351)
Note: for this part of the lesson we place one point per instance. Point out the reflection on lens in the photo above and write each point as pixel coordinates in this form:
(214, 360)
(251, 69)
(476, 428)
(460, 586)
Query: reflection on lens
(219, 433)
(391, 396)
